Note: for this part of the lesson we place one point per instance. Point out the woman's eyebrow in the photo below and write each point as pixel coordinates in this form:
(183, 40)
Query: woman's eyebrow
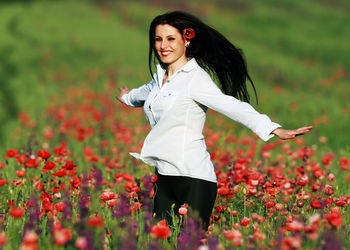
(166, 36)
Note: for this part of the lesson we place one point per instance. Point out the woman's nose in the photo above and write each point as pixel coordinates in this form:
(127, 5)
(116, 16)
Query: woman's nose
(164, 44)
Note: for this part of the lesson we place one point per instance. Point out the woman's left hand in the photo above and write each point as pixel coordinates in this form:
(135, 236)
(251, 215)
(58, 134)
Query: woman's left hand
(285, 134)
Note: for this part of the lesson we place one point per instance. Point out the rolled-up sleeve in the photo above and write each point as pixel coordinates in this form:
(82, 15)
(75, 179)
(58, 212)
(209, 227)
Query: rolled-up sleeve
(136, 97)
(203, 90)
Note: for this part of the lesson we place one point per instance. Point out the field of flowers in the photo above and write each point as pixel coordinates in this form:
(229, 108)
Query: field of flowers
(72, 184)
(67, 180)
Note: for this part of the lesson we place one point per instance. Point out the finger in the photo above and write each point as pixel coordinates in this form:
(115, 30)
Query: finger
(301, 132)
(305, 128)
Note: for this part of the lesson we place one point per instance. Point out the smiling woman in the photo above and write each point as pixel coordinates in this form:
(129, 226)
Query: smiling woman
(175, 102)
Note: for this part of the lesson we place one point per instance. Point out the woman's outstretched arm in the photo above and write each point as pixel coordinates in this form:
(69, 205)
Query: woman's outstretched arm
(136, 97)
(205, 91)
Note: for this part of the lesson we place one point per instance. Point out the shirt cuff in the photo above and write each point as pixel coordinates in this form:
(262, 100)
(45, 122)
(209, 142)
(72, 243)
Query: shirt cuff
(266, 135)
(125, 99)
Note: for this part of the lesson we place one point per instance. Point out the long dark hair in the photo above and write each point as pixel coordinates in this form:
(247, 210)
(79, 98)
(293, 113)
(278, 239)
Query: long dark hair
(213, 52)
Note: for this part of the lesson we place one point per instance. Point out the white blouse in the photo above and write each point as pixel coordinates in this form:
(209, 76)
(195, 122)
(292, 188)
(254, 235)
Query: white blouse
(177, 112)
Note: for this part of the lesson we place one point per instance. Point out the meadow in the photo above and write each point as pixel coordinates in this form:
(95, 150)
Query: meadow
(67, 180)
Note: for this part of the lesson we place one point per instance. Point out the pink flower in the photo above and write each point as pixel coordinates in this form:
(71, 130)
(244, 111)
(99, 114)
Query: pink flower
(81, 243)
(294, 226)
(183, 209)
(232, 234)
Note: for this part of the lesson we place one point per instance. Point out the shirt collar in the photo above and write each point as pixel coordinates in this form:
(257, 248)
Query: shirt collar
(190, 65)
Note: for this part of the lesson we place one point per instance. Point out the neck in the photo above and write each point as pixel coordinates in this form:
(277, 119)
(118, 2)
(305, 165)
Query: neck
(172, 68)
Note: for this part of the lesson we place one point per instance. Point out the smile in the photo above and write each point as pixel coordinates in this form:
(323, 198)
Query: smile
(165, 53)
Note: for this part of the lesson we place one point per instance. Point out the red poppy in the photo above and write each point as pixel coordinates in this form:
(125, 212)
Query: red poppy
(17, 212)
(2, 165)
(270, 204)
(95, 221)
(88, 151)
(188, 34)
(20, 173)
(300, 203)
(279, 206)
(292, 242)
(107, 195)
(76, 182)
(43, 154)
(223, 191)
(32, 163)
(245, 221)
(47, 205)
(234, 213)
(316, 204)
(62, 150)
(221, 209)
(111, 203)
(3, 182)
(161, 230)
(21, 159)
(135, 207)
(154, 178)
(327, 159)
(128, 177)
(70, 165)
(328, 190)
(341, 202)
(48, 133)
(257, 217)
(39, 186)
(344, 163)
(48, 166)
(11, 153)
(259, 236)
(3, 238)
(17, 182)
(61, 172)
(60, 206)
(334, 218)
(61, 236)
(30, 238)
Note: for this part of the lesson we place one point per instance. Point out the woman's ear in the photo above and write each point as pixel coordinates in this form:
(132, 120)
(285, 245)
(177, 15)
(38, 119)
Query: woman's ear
(187, 43)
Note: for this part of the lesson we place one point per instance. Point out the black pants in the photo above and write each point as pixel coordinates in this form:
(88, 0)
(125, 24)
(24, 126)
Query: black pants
(199, 194)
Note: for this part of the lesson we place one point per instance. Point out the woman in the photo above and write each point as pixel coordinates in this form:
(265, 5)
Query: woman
(175, 102)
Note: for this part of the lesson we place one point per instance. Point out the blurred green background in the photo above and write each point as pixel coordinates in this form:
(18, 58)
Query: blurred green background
(297, 54)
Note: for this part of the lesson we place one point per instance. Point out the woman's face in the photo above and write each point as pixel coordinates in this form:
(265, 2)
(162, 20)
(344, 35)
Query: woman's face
(170, 45)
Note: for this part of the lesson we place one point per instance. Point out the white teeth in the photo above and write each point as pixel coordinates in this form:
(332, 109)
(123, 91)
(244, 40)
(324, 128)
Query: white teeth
(166, 53)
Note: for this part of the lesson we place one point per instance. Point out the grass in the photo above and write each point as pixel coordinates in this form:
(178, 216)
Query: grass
(295, 46)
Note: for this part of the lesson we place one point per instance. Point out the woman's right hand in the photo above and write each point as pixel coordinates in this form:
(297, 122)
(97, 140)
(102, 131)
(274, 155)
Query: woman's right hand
(123, 90)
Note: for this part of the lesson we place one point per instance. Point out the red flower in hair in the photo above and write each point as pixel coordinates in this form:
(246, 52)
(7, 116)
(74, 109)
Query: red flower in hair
(188, 34)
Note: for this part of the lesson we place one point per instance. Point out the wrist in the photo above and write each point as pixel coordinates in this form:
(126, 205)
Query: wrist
(276, 131)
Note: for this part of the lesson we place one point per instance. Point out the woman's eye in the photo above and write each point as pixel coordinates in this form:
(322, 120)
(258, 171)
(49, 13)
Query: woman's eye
(171, 38)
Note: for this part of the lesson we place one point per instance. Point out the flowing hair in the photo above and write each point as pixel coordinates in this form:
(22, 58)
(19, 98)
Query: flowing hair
(213, 52)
